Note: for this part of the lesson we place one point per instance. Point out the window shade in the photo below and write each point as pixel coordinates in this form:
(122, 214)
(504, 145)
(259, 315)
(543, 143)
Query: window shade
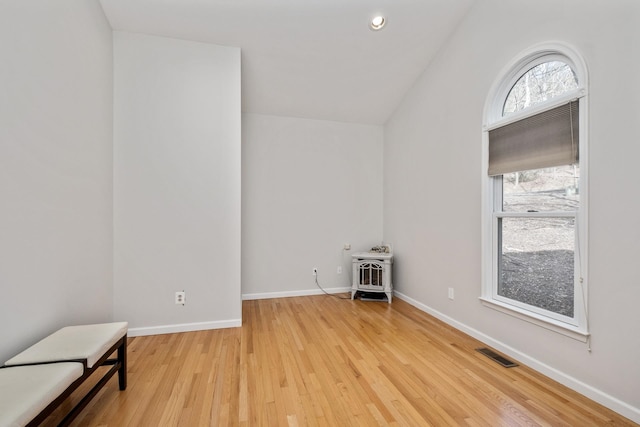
(543, 140)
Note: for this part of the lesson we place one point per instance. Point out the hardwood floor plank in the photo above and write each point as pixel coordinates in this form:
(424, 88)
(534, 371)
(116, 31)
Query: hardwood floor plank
(320, 361)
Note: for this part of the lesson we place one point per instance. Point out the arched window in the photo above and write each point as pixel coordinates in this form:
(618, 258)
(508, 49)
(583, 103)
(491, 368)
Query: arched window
(540, 84)
(534, 240)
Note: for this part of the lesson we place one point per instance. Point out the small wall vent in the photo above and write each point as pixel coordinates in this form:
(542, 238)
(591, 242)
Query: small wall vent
(496, 357)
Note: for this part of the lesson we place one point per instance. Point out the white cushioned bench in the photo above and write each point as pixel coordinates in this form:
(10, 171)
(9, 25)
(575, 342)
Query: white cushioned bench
(26, 390)
(35, 382)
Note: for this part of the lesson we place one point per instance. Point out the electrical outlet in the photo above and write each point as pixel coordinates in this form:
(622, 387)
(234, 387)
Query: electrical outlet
(347, 246)
(314, 272)
(339, 270)
(450, 293)
(181, 297)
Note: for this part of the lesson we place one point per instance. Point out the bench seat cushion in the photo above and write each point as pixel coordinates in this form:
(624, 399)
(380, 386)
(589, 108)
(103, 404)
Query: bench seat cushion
(89, 342)
(27, 390)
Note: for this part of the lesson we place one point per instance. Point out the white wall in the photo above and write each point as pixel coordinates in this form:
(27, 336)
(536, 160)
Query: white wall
(433, 188)
(55, 168)
(177, 157)
(308, 187)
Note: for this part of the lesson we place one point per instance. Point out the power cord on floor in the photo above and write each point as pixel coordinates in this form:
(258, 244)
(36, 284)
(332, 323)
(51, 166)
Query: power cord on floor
(331, 295)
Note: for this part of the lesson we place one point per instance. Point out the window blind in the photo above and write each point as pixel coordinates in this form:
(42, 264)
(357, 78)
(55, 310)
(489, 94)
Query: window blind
(544, 140)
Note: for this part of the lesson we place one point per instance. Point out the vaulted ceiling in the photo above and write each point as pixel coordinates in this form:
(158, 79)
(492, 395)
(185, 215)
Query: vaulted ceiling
(309, 58)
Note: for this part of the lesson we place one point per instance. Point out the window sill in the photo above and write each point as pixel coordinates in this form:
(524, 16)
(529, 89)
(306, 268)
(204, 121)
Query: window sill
(570, 331)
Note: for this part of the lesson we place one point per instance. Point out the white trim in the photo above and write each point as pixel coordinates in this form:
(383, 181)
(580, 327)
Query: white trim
(286, 294)
(574, 384)
(547, 322)
(184, 327)
(508, 76)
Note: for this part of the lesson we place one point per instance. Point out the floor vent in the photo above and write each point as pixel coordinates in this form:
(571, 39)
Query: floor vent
(495, 356)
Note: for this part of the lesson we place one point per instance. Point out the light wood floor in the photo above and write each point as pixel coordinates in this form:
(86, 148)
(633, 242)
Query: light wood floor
(323, 361)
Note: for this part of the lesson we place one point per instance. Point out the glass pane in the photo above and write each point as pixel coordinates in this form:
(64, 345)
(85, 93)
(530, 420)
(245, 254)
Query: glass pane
(541, 190)
(540, 84)
(536, 262)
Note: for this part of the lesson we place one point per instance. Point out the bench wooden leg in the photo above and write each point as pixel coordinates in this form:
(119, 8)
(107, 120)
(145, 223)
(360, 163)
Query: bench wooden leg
(122, 358)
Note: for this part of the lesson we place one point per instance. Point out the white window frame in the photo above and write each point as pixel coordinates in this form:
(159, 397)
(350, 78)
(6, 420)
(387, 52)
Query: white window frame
(577, 327)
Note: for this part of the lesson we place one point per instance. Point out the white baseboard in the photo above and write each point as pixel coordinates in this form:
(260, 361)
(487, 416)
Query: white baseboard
(591, 392)
(184, 327)
(286, 294)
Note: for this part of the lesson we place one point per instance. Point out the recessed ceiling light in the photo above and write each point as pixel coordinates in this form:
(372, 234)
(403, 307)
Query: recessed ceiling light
(377, 22)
